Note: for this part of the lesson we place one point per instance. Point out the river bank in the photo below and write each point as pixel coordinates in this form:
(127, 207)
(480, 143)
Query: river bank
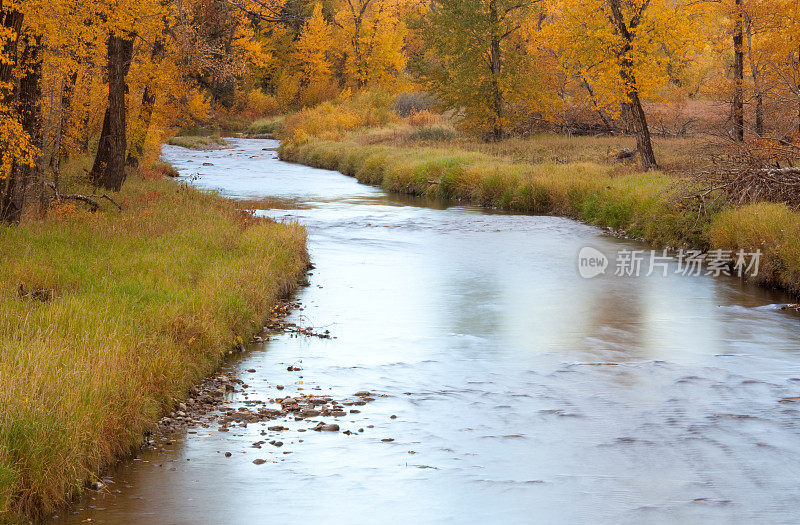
(108, 319)
(637, 205)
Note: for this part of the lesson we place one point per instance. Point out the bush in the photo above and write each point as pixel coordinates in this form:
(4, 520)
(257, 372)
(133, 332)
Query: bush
(406, 104)
(265, 126)
(433, 134)
(331, 120)
(261, 104)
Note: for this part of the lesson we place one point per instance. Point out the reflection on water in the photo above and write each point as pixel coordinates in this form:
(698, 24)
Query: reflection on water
(523, 393)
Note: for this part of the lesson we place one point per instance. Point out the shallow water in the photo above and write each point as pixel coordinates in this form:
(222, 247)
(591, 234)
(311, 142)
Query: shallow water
(523, 393)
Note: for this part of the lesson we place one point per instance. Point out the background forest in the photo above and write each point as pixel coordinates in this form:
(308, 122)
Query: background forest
(117, 78)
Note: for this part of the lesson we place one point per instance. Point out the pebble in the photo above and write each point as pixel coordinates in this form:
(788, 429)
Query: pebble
(259, 461)
(386, 440)
(228, 454)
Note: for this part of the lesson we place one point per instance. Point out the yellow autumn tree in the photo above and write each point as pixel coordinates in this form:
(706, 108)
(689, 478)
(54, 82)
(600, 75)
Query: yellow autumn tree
(313, 55)
(371, 35)
(626, 49)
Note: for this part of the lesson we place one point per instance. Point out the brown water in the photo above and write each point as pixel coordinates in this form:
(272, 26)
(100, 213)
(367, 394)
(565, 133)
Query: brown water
(526, 393)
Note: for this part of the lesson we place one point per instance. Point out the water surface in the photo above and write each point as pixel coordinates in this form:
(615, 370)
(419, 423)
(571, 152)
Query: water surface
(523, 393)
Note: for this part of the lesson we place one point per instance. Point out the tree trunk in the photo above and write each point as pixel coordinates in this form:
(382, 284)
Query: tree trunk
(9, 184)
(738, 74)
(29, 106)
(495, 67)
(109, 165)
(59, 147)
(145, 112)
(634, 105)
(643, 143)
(756, 79)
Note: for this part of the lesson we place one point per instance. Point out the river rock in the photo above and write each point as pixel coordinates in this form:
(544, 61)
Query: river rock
(259, 461)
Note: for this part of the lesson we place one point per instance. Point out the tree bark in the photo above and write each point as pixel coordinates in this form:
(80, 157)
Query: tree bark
(738, 74)
(495, 67)
(633, 105)
(759, 110)
(109, 165)
(9, 184)
(65, 114)
(29, 107)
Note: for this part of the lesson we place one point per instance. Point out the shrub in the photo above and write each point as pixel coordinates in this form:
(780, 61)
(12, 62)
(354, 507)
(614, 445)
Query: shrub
(433, 134)
(406, 104)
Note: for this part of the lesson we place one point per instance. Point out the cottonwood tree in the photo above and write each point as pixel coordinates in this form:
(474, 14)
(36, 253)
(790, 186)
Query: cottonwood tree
(626, 49)
(479, 57)
(370, 35)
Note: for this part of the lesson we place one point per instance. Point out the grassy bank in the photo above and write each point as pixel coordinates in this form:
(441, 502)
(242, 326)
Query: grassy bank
(199, 142)
(598, 192)
(107, 319)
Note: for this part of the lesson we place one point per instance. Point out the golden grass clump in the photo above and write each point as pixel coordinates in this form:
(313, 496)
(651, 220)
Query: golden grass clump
(107, 319)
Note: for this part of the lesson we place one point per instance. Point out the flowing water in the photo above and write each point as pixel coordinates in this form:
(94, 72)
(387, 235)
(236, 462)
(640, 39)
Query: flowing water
(523, 392)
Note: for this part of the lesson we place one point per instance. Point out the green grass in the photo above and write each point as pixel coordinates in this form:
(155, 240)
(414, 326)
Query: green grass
(138, 305)
(265, 126)
(637, 204)
(198, 142)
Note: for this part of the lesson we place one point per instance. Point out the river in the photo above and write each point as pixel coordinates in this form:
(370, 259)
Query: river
(523, 393)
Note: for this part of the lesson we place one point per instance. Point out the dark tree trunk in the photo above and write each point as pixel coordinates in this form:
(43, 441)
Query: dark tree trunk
(29, 106)
(9, 185)
(495, 67)
(60, 146)
(633, 105)
(643, 143)
(759, 110)
(109, 165)
(738, 74)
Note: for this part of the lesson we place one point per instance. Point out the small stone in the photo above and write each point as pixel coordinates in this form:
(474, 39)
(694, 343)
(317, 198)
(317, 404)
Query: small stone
(251, 370)
(279, 387)
(228, 454)
(386, 440)
(276, 443)
(327, 428)
(354, 411)
(392, 417)
(259, 461)
(362, 393)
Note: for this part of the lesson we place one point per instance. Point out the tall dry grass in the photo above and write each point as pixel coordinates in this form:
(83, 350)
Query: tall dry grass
(106, 320)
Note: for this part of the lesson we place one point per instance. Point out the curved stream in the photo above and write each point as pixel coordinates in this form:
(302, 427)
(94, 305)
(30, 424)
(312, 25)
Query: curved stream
(523, 393)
